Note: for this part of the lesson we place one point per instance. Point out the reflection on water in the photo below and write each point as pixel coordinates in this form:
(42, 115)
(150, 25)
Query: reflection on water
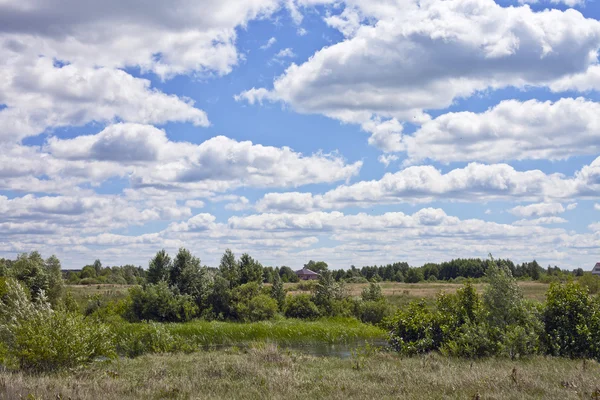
(341, 350)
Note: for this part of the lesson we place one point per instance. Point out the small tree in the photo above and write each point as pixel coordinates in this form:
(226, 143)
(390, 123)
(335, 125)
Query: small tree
(159, 268)
(372, 292)
(250, 269)
(230, 269)
(277, 291)
(55, 281)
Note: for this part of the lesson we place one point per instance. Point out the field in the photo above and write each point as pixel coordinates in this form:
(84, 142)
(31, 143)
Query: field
(396, 293)
(265, 371)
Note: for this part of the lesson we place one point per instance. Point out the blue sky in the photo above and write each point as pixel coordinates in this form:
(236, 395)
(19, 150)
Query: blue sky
(357, 132)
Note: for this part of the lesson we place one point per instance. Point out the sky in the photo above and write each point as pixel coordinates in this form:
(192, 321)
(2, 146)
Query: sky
(357, 132)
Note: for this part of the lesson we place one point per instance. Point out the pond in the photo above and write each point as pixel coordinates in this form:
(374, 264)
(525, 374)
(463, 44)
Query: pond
(319, 349)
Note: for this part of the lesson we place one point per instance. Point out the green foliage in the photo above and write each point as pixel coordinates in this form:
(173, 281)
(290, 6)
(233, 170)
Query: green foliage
(327, 291)
(373, 312)
(250, 269)
(260, 308)
(134, 340)
(414, 275)
(159, 268)
(158, 302)
(572, 322)
(230, 269)
(372, 292)
(35, 337)
(590, 281)
(301, 306)
(416, 329)
(278, 292)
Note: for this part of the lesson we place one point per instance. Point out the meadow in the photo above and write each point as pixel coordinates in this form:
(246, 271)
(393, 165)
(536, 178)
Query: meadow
(266, 371)
(397, 293)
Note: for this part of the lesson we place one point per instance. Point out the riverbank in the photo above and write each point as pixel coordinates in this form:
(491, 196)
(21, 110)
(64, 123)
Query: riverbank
(265, 371)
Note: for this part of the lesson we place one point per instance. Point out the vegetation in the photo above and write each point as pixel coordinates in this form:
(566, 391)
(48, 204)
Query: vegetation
(265, 371)
(180, 306)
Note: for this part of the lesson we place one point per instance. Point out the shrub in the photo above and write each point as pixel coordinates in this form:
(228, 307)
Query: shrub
(35, 337)
(374, 312)
(307, 286)
(571, 321)
(261, 307)
(159, 303)
(591, 282)
(416, 329)
(300, 306)
(372, 292)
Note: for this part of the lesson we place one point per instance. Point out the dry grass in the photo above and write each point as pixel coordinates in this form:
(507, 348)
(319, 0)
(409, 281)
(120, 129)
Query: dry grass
(267, 372)
(402, 293)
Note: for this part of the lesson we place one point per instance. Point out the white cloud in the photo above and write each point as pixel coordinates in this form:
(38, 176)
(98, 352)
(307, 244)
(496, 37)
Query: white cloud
(242, 203)
(178, 37)
(541, 221)
(571, 206)
(473, 183)
(194, 203)
(386, 159)
(538, 210)
(373, 73)
(39, 96)
(301, 32)
(512, 130)
(145, 155)
(269, 43)
(596, 206)
(285, 53)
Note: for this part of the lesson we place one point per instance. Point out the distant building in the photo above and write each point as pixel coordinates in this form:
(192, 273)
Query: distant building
(306, 274)
(596, 270)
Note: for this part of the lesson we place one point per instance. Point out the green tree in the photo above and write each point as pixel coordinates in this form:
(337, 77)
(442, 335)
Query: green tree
(277, 291)
(159, 268)
(372, 292)
(31, 271)
(250, 269)
(98, 267)
(55, 280)
(230, 269)
(414, 275)
(301, 306)
(326, 292)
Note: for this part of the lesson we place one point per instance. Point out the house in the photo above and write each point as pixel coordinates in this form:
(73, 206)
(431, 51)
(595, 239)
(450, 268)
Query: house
(596, 269)
(306, 274)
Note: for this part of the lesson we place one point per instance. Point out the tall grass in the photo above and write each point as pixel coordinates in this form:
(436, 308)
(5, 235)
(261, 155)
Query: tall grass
(267, 372)
(189, 336)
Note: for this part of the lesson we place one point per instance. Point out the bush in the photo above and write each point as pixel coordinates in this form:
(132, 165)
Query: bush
(159, 303)
(35, 337)
(372, 293)
(571, 322)
(416, 329)
(373, 312)
(301, 306)
(591, 282)
(261, 307)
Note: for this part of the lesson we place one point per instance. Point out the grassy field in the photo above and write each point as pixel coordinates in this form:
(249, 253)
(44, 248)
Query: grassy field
(268, 372)
(397, 293)
(401, 294)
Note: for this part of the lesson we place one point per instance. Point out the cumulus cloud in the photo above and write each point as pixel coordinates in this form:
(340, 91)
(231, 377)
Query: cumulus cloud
(386, 159)
(512, 130)
(538, 210)
(40, 95)
(149, 159)
(166, 38)
(373, 73)
(596, 206)
(473, 183)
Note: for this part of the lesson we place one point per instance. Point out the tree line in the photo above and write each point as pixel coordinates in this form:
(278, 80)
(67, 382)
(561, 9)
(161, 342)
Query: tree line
(397, 272)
